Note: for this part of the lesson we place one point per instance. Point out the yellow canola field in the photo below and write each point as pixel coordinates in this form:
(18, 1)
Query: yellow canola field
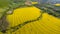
(47, 25)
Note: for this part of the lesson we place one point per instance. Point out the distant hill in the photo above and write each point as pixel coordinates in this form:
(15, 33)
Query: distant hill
(47, 1)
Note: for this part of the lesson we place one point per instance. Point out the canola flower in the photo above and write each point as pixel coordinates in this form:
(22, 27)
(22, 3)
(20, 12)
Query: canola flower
(48, 6)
